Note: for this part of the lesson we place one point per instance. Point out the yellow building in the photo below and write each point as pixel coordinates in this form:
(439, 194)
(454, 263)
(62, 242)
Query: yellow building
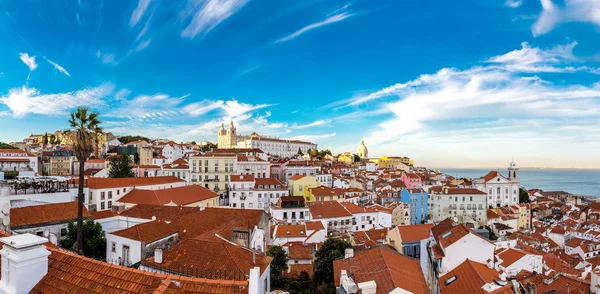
(323, 193)
(391, 161)
(346, 157)
(212, 170)
(300, 184)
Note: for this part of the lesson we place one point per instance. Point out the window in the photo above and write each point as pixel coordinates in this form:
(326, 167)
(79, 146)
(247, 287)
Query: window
(91, 196)
(118, 192)
(109, 204)
(102, 197)
(123, 190)
(109, 194)
(102, 205)
(113, 247)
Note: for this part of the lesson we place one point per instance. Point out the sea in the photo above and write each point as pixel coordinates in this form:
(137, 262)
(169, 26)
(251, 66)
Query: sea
(584, 182)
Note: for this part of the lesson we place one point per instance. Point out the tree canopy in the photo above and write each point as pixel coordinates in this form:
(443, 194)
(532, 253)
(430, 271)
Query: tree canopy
(300, 152)
(208, 147)
(523, 196)
(331, 250)
(6, 146)
(278, 265)
(127, 139)
(94, 239)
(120, 167)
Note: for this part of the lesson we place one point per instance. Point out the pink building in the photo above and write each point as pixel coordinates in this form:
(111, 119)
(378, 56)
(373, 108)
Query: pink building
(411, 180)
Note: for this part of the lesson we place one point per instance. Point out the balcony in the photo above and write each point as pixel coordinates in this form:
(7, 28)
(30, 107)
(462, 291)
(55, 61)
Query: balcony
(211, 180)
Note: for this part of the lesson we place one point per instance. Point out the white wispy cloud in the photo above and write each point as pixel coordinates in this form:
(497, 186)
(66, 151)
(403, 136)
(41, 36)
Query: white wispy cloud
(58, 67)
(586, 11)
(202, 107)
(313, 124)
(106, 58)
(329, 20)
(312, 138)
(234, 108)
(206, 15)
(142, 45)
(513, 3)
(481, 93)
(138, 12)
(29, 61)
(148, 107)
(25, 100)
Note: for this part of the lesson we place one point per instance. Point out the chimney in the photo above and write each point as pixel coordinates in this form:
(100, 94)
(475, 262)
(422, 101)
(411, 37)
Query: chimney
(158, 255)
(502, 275)
(347, 283)
(349, 253)
(490, 263)
(369, 287)
(24, 263)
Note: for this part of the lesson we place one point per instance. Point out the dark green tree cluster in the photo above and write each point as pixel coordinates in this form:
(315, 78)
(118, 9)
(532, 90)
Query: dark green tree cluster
(278, 265)
(6, 146)
(120, 167)
(208, 147)
(127, 139)
(94, 239)
(523, 196)
(331, 250)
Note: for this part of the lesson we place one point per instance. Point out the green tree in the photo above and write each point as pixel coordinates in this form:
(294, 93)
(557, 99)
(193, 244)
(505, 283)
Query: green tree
(127, 139)
(324, 153)
(45, 139)
(85, 130)
(94, 239)
(208, 147)
(492, 235)
(300, 152)
(331, 250)
(523, 196)
(313, 153)
(7, 146)
(278, 265)
(120, 167)
(193, 142)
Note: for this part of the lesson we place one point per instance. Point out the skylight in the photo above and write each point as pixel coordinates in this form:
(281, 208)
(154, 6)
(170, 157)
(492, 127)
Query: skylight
(450, 280)
(446, 235)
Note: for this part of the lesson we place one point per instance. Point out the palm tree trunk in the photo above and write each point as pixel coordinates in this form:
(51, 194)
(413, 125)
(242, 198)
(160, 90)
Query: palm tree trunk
(80, 209)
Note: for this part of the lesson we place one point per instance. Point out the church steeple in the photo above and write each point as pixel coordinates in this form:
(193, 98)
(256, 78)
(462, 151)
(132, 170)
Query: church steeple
(513, 171)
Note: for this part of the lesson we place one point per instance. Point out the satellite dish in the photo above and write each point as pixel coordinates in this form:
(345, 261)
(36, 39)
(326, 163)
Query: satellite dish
(5, 221)
(46, 233)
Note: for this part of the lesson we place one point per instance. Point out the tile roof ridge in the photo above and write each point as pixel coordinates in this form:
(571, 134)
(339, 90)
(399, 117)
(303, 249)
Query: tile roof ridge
(229, 252)
(163, 286)
(470, 263)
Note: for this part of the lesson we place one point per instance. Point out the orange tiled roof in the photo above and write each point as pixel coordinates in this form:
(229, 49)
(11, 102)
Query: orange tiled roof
(44, 214)
(327, 209)
(179, 196)
(207, 254)
(290, 231)
(220, 221)
(267, 182)
(148, 232)
(165, 213)
(464, 191)
(296, 269)
(490, 176)
(510, 256)
(71, 273)
(470, 277)
(414, 233)
(314, 226)
(298, 250)
(296, 177)
(105, 183)
(96, 215)
(389, 269)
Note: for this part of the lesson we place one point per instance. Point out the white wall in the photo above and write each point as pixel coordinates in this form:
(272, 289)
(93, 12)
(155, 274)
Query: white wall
(471, 247)
(116, 223)
(135, 249)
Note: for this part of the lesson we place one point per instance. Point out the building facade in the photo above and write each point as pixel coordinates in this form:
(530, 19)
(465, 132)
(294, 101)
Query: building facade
(467, 205)
(501, 190)
(362, 150)
(212, 171)
(418, 200)
(228, 138)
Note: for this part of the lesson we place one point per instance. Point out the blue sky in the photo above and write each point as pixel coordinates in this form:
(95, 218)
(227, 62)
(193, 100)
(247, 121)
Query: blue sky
(448, 83)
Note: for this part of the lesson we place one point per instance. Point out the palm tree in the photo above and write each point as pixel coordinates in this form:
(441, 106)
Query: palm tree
(85, 131)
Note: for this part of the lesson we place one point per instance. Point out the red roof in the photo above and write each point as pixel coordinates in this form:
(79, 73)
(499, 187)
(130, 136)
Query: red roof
(289, 231)
(470, 277)
(389, 269)
(490, 176)
(241, 178)
(44, 214)
(210, 254)
(106, 183)
(414, 233)
(148, 232)
(14, 160)
(314, 226)
(179, 196)
(267, 182)
(464, 191)
(327, 209)
(296, 177)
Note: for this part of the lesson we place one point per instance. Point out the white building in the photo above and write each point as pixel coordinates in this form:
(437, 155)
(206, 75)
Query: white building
(103, 192)
(325, 180)
(290, 210)
(466, 204)
(501, 190)
(172, 151)
(253, 165)
(18, 160)
(227, 138)
(304, 168)
(247, 192)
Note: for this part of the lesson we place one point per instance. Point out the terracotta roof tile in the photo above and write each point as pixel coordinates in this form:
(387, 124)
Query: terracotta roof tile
(290, 231)
(241, 178)
(148, 232)
(386, 267)
(104, 183)
(179, 196)
(313, 226)
(327, 209)
(44, 214)
(414, 233)
(164, 213)
(470, 276)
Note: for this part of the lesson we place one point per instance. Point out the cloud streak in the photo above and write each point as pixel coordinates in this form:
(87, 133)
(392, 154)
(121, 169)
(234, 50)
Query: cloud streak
(586, 11)
(206, 15)
(29, 61)
(313, 124)
(329, 20)
(138, 12)
(313, 138)
(58, 67)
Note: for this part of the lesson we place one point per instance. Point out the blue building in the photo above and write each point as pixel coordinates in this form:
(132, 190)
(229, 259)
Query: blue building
(418, 201)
